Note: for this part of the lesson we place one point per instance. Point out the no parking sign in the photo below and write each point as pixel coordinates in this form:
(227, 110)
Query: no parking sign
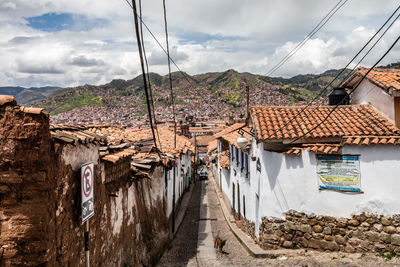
(87, 182)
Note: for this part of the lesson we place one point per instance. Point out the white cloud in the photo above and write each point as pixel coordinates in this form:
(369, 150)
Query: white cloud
(204, 36)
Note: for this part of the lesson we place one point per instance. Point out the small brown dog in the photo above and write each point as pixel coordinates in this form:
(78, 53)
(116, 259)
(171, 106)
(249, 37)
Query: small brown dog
(219, 243)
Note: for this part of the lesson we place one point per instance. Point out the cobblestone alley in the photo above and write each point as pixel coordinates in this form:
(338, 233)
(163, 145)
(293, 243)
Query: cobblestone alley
(193, 244)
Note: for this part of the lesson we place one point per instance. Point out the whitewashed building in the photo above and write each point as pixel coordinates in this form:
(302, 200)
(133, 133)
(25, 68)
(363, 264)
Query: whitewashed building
(348, 165)
(381, 88)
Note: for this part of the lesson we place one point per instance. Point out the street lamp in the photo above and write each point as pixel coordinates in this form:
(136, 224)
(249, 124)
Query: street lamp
(242, 142)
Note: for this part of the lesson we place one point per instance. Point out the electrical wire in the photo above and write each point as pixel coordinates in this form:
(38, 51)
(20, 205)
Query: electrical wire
(185, 76)
(148, 77)
(354, 88)
(324, 20)
(169, 71)
(343, 69)
(139, 43)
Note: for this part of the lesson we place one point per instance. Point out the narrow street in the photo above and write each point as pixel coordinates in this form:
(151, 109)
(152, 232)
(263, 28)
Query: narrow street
(194, 242)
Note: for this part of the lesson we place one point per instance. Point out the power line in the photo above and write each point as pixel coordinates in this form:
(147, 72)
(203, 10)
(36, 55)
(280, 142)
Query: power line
(324, 20)
(343, 69)
(186, 77)
(148, 76)
(143, 70)
(165, 51)
(354, 88)
(169, 71)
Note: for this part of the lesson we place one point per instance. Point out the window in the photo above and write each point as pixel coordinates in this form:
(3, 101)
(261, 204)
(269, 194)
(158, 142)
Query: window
(237, 156)
(242, 160)
(247, 164)
(232, 152)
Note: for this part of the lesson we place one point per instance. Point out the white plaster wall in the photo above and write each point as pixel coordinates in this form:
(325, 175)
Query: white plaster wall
(80, 154)
(169, 191)
(368, 93)
(291, 183)
(180, 180)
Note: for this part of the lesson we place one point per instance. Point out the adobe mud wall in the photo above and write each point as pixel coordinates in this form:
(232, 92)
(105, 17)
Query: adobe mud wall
(25, 187)
(129, 225)
(360, 233)
(40, 202)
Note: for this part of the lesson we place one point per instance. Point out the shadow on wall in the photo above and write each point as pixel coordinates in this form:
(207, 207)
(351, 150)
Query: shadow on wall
(272, 163)
(374, 153)
(294, 162)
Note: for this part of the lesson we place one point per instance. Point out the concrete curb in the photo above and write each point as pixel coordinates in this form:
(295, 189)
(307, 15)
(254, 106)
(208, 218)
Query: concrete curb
(248, 243)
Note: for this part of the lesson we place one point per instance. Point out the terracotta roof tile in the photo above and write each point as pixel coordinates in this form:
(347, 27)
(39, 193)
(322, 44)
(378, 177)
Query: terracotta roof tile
(224, 160)
(387, 79)
(32, 110)
(357, 120)
(212, 145)
(234, 135)
(4, 99)
(144, 136)
(371, 140)
(232, 128)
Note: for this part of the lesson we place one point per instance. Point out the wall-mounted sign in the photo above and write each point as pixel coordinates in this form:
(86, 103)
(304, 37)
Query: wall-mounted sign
(258, 165)
(87, 184)
(339, 172)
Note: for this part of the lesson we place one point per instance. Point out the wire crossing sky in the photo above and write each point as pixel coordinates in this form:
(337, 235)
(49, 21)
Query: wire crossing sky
(69, 43)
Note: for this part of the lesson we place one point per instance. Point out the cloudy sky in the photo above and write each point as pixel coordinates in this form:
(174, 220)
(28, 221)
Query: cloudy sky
(74, 42)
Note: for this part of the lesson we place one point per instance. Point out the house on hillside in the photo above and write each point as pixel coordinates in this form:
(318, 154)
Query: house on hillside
(313, 190)
(381, 89)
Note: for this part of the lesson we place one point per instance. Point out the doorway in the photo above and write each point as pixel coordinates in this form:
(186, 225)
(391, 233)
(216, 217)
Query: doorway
(238, 197)
(257, 214)
(233, 197)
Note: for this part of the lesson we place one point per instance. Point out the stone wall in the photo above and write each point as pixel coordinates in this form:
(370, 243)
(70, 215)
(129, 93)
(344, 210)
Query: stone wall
(360, 233)
(248, 227)
(40, 201)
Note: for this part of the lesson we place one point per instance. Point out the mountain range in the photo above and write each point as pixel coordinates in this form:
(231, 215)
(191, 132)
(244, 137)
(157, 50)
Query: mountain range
(201, 95)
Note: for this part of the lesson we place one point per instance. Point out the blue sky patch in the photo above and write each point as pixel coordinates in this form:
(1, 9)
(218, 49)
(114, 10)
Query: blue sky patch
(54, 22)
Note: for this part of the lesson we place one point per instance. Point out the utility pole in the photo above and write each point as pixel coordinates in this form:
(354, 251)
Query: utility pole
(173, 110)
(173, 199)
(247, 103)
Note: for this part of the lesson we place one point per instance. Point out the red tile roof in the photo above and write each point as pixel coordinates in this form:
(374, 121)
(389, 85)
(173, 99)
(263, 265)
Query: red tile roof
(387, 79)
(321, 148)
(230, 129)
(371, 140)
(4, 99)
(224, 160)
(272, 122)
(234, 135)
(212, 145)
(118, 135)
